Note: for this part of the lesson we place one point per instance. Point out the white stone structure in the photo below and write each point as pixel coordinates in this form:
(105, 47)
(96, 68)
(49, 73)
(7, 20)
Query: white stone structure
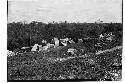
(35, 47)
(64, 41)
(101, 36)
(72, 50)
(48, 46)
(44, 41)
(25, 47)
(40, 47)
(71, 41)
(80, 40)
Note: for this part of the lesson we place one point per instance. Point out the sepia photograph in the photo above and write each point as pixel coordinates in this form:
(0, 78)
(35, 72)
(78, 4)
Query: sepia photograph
(64, 40)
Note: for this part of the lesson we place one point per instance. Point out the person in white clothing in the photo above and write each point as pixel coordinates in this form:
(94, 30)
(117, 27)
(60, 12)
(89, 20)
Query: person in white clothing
(56, 42)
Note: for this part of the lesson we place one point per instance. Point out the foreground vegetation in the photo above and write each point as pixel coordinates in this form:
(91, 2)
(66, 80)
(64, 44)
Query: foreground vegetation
(41, 66)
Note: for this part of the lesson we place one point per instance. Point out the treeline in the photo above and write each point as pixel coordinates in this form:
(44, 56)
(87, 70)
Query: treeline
(22, 34)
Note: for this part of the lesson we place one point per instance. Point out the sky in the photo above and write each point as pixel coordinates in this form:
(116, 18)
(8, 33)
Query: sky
(64, 10)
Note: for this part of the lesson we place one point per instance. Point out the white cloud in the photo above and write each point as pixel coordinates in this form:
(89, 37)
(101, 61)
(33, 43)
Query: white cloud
(70, 10)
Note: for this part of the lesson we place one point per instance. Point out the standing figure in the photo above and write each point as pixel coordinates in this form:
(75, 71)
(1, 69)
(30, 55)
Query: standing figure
(56, 42)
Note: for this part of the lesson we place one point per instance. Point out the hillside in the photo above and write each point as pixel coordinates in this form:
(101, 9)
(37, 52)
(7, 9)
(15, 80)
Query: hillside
(95, 58)
(89, 66)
